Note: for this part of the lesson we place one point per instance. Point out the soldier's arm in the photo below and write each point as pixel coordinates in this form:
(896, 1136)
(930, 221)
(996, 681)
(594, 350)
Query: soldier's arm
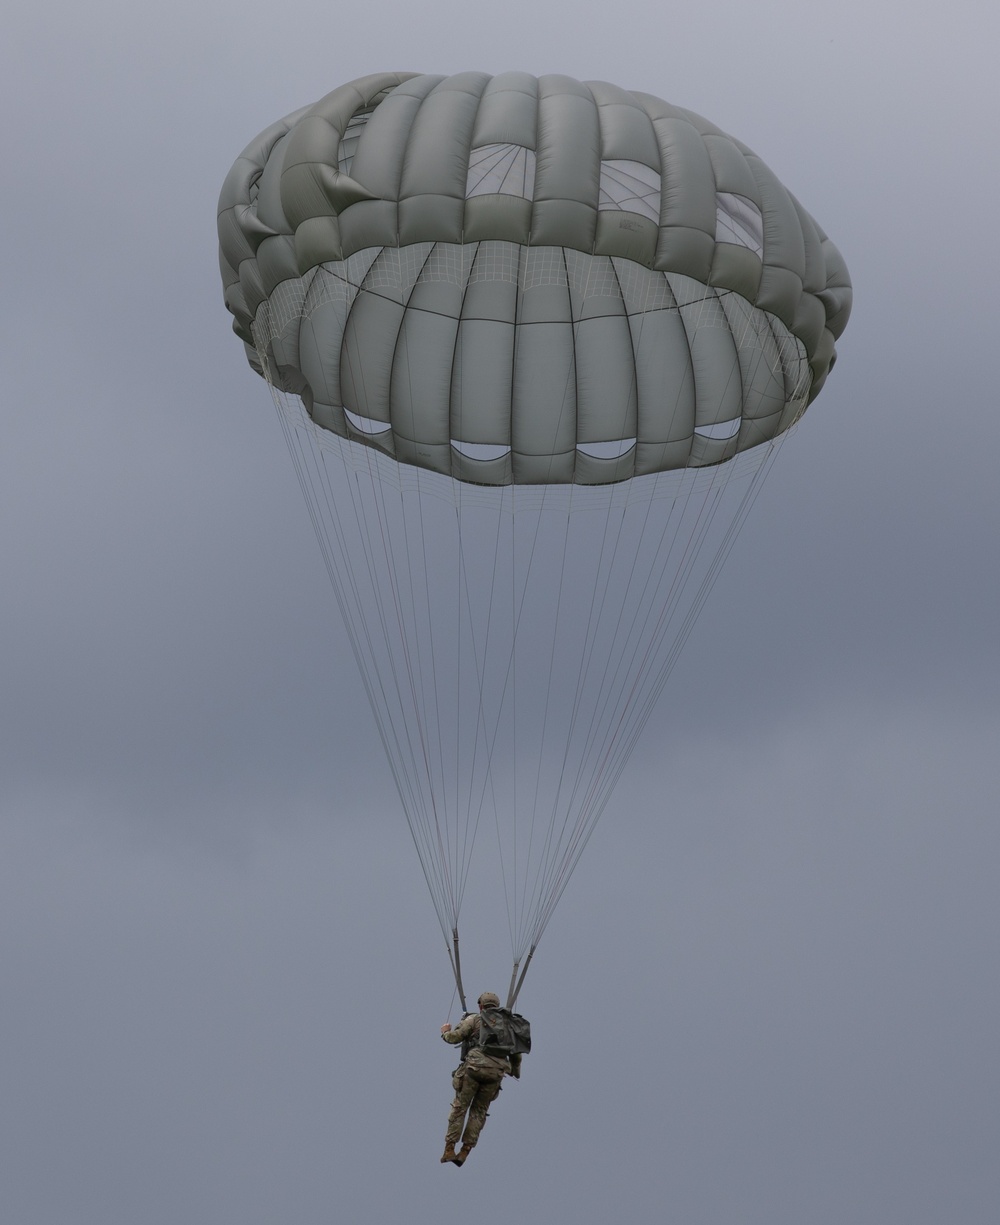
(515, 1066)
(460, 1032)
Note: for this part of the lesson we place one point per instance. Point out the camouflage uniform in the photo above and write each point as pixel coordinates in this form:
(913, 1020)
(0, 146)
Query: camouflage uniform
(476, 1082)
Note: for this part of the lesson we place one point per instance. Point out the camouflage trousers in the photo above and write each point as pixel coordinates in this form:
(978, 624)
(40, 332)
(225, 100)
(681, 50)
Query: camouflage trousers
(474, 1088)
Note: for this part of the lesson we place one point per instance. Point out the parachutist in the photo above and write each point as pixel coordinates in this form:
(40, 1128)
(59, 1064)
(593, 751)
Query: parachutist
(493, 1041)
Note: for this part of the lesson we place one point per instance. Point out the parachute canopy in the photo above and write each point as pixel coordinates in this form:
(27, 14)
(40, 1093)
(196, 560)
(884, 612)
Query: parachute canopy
(511, 279)
(532, 342)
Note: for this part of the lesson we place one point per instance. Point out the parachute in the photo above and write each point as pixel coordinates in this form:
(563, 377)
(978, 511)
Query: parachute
(534, 345)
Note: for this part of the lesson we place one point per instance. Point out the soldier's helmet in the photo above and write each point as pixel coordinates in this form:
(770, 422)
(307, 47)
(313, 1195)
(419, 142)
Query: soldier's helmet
(489, 1000)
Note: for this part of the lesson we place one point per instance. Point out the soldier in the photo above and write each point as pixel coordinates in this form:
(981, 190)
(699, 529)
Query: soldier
(476, 1081)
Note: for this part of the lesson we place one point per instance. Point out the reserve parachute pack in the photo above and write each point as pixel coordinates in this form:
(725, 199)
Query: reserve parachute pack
(502, 1032)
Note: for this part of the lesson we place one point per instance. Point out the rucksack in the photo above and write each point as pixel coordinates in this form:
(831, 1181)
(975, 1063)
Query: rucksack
(502, 1032)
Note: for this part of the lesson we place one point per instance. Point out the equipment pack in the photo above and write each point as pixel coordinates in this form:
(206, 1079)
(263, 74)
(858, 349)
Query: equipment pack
(502, 1032)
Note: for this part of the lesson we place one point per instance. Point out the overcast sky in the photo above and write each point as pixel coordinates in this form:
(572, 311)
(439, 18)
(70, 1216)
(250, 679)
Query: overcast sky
(770, 993)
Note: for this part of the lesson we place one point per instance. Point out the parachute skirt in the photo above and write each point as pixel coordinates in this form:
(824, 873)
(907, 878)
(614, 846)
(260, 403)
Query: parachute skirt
(497, 364)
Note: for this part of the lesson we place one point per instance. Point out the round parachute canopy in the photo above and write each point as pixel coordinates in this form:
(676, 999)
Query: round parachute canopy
(534, 343)
(510, 279)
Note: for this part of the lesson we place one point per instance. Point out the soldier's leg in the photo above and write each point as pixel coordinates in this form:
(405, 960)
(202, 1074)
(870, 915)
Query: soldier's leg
(486, 1092)
(465, 1091)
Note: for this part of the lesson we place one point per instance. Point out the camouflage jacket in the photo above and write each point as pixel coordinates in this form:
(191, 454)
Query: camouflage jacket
(468, 1030)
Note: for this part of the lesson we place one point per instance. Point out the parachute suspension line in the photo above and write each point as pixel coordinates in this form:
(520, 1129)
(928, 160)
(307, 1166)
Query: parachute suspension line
(513, 984)
(456, 965)
(597, 801)
(507, 698)
(465, 837)
(515, 991)
(528, 892)
(645, 707)
(484, 733)
(516, 641)
(623, 702)
(399, 565)
(548, 863)
(519, 599)
(603, 776)
(661, 675)
(436, 835)
(626, 703)
(434, 868)
(311, 485)
(551, 855)
(554, 862)
(519, 593)
(461, 826)
(514, 706)
(432, 833)
(708, 582)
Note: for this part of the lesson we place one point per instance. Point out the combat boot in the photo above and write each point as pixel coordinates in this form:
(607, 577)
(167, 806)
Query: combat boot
(463, 1155)
(449, 1152)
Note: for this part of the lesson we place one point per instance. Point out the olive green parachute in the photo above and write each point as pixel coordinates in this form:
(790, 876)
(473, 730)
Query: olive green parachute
(488, 293)
(589, 283)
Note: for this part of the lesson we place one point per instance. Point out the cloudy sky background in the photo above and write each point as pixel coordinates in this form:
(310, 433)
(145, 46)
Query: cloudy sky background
(222, 977)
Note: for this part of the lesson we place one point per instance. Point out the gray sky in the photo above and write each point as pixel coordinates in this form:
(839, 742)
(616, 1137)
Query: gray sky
(223, 977)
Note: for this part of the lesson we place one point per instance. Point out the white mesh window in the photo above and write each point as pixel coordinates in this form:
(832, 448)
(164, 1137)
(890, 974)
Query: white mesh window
(349, 141)
(738, 221)
(480, 450)
(501, 170)
(721, 430)
(367, 425)
(607, 450)
(630, 187)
